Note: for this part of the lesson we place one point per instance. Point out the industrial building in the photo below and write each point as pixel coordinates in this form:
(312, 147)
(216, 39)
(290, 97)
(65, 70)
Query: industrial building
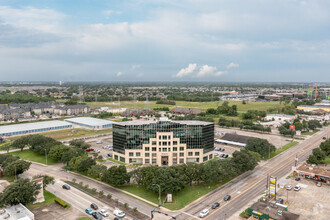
(90, 123)
(309, 108)
(30, 128)
(163, 142)
(233, 139)
(265, 210)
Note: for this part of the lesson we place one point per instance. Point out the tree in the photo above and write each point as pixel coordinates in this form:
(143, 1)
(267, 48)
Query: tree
(57, 152)
(73, 152)
(192, 172)
(16, 167)
(211, 111)
(80, 144)
(85, 164)
(21, 191)
(168, 179)
(97, 170)
(261, 146)
(313, 124)
(116, 175)
(298, 125)
(210, 171)
(312, 159)
(319, 154)
(325, 147)
(20, 143)
(46, 179)
(6, 146)
(244, 161)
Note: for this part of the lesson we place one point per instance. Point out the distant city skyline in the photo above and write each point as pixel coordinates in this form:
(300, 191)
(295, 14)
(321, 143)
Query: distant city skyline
(197, 41)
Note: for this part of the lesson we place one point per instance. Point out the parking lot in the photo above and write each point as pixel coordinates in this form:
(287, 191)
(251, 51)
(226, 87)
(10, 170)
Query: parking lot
(310, 202)
(228, 149)
(277, 140)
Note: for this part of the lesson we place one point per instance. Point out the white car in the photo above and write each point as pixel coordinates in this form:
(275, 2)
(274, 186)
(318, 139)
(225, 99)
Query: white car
(289, 187)
(204, 213)
(297, 188)
(95, 151)
(99, 142)
(104, 213)
(119, 213)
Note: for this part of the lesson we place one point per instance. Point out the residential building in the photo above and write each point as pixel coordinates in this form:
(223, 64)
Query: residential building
(163, 142)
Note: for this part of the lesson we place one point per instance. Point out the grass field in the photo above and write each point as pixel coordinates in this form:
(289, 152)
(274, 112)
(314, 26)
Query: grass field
(327, 160)
(310, 132)
(70, 133)
(263, 106)
(49, 198)
(280, 150)
(181, 199)
(32, 156)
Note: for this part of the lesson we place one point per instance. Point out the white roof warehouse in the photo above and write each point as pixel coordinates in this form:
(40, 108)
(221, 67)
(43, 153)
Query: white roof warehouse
(36, 127)
(91, 123)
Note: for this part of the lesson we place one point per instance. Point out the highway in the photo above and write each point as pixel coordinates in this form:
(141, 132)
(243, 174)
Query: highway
(252, 183)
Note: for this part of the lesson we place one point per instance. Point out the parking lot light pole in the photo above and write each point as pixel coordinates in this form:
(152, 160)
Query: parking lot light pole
(158, 194)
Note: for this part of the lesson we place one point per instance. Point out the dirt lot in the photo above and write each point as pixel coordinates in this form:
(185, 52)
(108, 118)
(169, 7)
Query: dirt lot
(54, 211)
(276, 140)
(311, 202)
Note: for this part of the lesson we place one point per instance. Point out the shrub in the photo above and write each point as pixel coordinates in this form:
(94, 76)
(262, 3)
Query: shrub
(126, 205)
(109, 196)
(61, 202)
(135, 209)
(101, 193)
(86, 186)
(74, 180)
(81, 183)
(94, 190)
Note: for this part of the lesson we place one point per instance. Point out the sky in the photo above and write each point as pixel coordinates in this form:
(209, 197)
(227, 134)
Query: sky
(158, 40)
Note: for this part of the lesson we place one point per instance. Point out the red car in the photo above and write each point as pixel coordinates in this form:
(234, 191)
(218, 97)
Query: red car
(89, 149)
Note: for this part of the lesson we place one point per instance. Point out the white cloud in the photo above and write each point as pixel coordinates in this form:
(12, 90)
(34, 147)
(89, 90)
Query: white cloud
(119, 74)
(207, 70)
(134, 67)
(186, 71)
(232, 65)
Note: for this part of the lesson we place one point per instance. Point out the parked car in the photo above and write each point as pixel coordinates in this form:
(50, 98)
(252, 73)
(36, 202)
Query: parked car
(227, 198)
(109, 155)
(215, 154)
(319, 184)
(97, 215)
(280, 201)
(99, 142)
(204, 213)
(222, 155)
(297, 178)
(222, 149)
(216, 148)
(225, 156)
(117, 212)
(90, 149)
(66, 186)
(89, 211)
(324, 138)
(297, 188)
(105, 147)
(104, 213)
(288, 187)
(215, 205)
(94, 206)
(95, 151)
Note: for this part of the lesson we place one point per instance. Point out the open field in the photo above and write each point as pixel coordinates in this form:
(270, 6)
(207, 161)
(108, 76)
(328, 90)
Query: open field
(280, 150)
(180, 199)
(263, 106)
(70, 133)
(32, 156)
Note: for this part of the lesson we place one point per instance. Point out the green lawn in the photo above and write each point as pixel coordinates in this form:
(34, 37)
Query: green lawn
(181, 199)
(280, 150)
(84, 218)
(310, 132)
(116, 161)
(327, 160)
(49, 198)
(32, 156)
(263, 106)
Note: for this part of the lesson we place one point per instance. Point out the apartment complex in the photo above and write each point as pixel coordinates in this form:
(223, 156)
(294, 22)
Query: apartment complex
(163, 142)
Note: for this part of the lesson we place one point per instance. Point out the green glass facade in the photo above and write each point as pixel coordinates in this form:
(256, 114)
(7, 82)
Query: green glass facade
(198, 135)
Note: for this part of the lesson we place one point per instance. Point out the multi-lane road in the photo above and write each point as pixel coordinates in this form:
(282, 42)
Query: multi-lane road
(253, 183)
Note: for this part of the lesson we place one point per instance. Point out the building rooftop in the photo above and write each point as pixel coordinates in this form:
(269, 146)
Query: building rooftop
(141, 122)
(272, 210)
(31, 126)
(321, 170)
(89, 121)
(235, 138)
(17, 212)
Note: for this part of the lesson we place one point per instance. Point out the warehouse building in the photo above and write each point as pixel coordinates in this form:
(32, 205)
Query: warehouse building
(30, 128)
(163, 142)
(90, 123)
(309, 108)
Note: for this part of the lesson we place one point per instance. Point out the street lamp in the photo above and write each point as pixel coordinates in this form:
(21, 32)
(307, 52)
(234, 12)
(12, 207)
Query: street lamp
(159, 193)
(46, 156)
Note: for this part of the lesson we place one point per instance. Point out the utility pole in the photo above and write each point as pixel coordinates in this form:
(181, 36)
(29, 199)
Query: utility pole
(158, 194)
(46, 156)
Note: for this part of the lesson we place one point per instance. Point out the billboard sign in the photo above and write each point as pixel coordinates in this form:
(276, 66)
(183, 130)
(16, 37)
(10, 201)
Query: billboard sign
(272, 185)
(292, 127)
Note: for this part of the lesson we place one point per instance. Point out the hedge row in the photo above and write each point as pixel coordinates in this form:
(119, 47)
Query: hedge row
(61, 202)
